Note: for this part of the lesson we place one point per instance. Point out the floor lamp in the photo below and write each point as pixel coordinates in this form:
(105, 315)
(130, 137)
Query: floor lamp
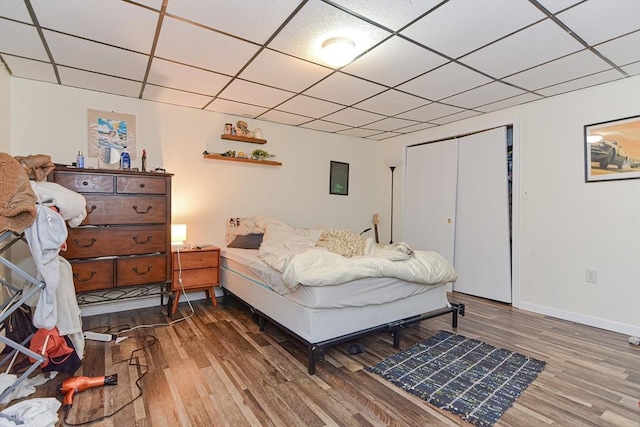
(392, 164)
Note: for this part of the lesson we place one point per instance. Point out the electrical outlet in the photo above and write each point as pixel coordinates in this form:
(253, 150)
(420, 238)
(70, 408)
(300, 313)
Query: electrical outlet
(591, 276)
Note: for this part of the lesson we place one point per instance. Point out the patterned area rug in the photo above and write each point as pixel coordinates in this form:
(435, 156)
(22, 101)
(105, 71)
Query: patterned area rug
(468, 377)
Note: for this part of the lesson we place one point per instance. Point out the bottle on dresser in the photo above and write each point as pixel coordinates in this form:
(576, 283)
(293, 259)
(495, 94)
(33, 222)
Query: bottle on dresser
(125, 160)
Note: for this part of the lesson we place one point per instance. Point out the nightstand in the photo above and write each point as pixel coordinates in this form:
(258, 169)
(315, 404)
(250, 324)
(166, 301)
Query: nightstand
(199, 271)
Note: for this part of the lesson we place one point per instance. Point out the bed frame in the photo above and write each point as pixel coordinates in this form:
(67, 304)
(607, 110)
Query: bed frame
(317, 328)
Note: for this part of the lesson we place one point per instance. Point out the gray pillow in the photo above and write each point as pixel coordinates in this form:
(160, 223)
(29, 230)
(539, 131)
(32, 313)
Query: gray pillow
(247, 241)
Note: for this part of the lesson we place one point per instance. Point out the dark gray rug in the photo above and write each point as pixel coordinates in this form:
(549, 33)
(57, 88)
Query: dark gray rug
(468, 377)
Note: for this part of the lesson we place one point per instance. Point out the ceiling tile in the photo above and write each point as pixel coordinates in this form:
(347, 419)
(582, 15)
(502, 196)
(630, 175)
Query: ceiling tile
(393, 62)
(430, 112)
(116, 23)
(393, 15)
(445, 81)
(308, 106)
(632, 69)
(390, 124)
(202, 48)
(183, 77)
(482, 95)
(383, 135)
(477, 23)
(235, 108)
(344, 89)
(283, 71)
(99, 82)
(21, 40)
(79, 53)
(30, 69)
(622, 51)
(15, 10)
(544, 41)
(391, 103)
(415, 128)
(316, 22)
(592, 80)
(324, 126)
(253, 20)
(455, 117)
(353, 117)
(285, 118)
(176, 97)
(555, 6)
(509, 102)
(252, 93)
(597, 21)
(359, 132)
(568, 68)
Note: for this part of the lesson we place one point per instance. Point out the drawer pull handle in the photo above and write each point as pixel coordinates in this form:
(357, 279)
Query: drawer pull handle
(135, 208)
(91, 209)
(85, 183)
(135, 239)
(142, 185)
(149, 267)
(84, 246)
(77, 278)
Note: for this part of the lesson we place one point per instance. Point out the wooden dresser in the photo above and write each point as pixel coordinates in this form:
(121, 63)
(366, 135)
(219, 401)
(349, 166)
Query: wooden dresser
(125, 239)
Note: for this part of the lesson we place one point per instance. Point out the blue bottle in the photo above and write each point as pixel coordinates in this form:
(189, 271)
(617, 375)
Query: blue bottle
(125, 160)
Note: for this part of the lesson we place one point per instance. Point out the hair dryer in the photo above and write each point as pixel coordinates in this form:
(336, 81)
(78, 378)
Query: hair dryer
(73, 385)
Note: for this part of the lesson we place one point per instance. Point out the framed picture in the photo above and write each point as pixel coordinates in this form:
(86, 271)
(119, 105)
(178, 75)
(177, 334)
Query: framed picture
(612, 150)
(339, 178)
(108, 135)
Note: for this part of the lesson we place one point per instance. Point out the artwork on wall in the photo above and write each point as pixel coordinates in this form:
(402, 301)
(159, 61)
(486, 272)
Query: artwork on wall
(339, 178)
(612, 150)
(109, 134)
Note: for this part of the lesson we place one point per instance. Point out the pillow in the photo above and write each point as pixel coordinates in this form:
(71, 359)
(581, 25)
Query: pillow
(246, 241)
(343, 242)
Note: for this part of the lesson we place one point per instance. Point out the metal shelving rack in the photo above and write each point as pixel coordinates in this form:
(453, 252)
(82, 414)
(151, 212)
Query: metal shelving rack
(16, 298)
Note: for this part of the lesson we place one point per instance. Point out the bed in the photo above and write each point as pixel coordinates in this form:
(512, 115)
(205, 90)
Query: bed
(319, 304)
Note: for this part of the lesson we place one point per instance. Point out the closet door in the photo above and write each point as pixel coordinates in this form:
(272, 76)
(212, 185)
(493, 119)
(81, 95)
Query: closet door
(430, 197)
(482, 247)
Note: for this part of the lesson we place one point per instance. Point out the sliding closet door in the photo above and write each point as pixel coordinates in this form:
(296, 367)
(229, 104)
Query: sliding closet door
(430, 197)
(482, 249)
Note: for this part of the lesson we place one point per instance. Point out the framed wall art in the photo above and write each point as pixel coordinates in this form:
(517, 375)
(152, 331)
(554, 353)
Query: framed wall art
(612, 150)
(109, 133)
(339, 178)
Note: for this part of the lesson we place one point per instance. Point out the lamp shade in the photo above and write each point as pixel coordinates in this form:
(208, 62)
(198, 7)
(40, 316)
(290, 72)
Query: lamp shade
(178, 233)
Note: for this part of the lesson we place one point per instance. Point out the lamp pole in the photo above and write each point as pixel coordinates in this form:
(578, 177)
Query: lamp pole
(393, 168)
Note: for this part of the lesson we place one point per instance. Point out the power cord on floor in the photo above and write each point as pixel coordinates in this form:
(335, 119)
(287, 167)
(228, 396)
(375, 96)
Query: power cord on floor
(151, 340)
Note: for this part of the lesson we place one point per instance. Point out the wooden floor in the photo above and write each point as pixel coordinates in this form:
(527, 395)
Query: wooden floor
(217, 369)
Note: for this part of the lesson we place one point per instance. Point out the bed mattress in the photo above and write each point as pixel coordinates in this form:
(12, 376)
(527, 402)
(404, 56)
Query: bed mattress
(358, 293)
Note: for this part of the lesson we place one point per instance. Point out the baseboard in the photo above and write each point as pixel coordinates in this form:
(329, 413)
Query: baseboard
(596, 322)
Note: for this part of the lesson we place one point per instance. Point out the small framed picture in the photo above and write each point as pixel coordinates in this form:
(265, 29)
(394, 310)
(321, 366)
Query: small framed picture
(339, 178)
(612, 150)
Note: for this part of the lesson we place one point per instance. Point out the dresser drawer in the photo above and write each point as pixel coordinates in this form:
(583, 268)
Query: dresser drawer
(140, 185)
(90, 242)
(105, 210)
(195, 259)
(85, 182)
(93, 275)
(141, 269)
(196, 278)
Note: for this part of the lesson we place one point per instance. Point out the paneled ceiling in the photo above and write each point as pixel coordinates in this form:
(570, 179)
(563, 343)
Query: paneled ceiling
(420, 63)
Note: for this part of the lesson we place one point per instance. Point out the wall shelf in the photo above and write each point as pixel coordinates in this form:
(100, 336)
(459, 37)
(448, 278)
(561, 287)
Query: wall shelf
(241, 159)
(243, 139)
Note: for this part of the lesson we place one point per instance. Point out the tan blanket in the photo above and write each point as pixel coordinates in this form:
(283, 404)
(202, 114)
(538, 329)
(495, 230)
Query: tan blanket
(37, 166)
(17, 199)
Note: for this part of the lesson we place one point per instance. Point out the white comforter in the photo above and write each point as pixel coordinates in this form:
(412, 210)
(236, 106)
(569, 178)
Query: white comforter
(294, 255)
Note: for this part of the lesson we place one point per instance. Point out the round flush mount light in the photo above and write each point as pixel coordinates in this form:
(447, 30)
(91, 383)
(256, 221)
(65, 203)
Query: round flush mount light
(338, 51)
(592, 139)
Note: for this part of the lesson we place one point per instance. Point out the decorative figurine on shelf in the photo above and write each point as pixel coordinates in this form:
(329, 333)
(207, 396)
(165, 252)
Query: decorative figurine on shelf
(257, 133)
(261, 154)
(228, 128)
(229, 153)
(242, 129)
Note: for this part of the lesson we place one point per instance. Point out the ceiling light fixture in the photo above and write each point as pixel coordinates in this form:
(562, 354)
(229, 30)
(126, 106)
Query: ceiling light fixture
(592, 139)
(338, 51)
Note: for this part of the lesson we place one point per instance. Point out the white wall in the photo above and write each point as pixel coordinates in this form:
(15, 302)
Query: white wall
(5, 106)
(566, 225)
(52, 119)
